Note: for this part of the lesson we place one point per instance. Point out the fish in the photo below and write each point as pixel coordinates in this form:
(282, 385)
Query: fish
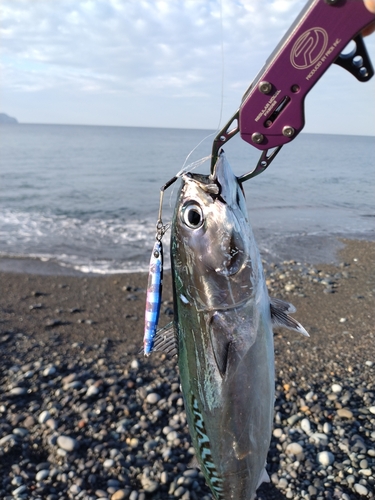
(222, 332)
(153, 296)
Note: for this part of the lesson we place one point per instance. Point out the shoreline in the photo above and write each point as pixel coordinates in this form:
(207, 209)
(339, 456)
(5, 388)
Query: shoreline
(304, 248)
(70, 347)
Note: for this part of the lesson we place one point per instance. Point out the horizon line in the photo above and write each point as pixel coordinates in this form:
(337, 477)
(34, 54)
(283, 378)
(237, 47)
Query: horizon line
(155, 127)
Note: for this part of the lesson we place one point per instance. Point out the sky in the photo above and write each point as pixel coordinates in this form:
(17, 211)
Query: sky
(157, 63)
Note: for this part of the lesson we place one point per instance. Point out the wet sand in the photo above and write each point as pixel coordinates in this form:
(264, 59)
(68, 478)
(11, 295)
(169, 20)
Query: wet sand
(87, 309)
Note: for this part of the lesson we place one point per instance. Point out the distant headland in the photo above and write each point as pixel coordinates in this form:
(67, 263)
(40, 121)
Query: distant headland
(4, 118)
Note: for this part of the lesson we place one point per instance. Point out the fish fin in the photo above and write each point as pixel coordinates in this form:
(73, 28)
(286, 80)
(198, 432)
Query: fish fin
(194, 464)
(264, 478)
(282, 305)
(219, 342)
(280, 318)
(166, 340)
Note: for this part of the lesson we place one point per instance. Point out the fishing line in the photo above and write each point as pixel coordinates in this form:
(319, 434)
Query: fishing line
(161, 229)
(187, 168)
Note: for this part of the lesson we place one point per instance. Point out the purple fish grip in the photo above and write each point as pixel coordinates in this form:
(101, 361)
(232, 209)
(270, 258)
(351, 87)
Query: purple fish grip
(272, 109)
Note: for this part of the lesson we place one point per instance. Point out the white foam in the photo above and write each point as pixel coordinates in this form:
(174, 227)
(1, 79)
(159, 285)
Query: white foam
(94, 245)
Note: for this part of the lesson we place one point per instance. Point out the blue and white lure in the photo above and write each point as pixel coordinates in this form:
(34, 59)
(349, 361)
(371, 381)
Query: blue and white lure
(155, 280)
(153, 297)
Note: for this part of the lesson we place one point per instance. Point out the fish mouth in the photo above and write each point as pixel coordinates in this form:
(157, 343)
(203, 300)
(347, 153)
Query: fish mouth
(226, 181)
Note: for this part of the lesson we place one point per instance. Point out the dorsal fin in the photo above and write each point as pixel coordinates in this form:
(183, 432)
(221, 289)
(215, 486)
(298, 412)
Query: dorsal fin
(194, 464)
(279, 316)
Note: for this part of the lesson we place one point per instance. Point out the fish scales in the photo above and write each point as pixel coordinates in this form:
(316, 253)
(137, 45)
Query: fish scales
(222, 332)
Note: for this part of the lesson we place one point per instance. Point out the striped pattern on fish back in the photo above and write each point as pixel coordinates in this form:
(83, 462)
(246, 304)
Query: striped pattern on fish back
(153, 297)
(211, 473)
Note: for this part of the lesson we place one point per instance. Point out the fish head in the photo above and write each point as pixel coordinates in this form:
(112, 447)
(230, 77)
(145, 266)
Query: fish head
(210, 244)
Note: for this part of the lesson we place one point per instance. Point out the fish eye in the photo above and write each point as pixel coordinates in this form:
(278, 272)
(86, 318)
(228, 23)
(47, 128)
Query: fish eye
(192, 216)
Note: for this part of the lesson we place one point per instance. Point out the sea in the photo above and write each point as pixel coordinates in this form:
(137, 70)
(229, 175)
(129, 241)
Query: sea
(85, 199)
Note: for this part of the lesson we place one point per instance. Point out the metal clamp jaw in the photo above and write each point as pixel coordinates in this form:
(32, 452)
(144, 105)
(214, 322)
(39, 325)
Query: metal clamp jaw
(229, 131)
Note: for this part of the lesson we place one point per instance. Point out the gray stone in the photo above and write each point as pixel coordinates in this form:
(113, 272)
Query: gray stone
(44, 416)
(277, 432)
(178, 492)
(148, 485)
(20, 431)
(344, 413)
(283, 483)
(336, 388)
(319, 438)
(135, 366)
(119, 495)
(306, 426)
(18, 391)
(42, 474)
(19, 491)
(327, 427)
(153, 398)
(294, 449)
(360, 489)
(67, 443)
(49, 371)
(325, 458)
(7, 438)
(92, 391)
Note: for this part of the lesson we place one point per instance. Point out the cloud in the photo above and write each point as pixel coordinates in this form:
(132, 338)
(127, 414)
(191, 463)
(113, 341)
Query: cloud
(131, 46)
(148, 57)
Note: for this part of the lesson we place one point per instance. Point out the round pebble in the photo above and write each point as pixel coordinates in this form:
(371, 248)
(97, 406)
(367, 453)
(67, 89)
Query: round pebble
(305, 425)
(344, 413)
(325, 458)
(44, 416)
(119, 495)
(294, 449)
(153, 398)
(92, 390)
(18, 391)
(49, 371)
(66, 443)
(360, 489)
(42, 474)
(336, 388)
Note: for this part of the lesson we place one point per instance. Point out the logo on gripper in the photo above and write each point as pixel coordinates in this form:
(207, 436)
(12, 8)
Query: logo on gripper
(309, 48)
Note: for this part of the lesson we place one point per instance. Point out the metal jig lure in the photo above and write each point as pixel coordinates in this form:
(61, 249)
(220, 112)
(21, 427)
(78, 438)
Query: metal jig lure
(155, 280)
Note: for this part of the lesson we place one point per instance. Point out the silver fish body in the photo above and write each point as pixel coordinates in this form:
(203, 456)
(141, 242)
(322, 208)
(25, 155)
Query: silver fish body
(224, 332)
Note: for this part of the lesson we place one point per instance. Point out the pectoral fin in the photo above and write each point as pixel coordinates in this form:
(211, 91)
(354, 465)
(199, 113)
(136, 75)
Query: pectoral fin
(282, 305)
(279, 316)
(219, 341)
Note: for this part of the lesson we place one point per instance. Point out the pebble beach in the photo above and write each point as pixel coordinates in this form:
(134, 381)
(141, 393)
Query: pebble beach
(84, 416)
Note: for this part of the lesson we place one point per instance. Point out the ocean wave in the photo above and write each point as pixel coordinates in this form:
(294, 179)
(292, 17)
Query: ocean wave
(95, 245)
